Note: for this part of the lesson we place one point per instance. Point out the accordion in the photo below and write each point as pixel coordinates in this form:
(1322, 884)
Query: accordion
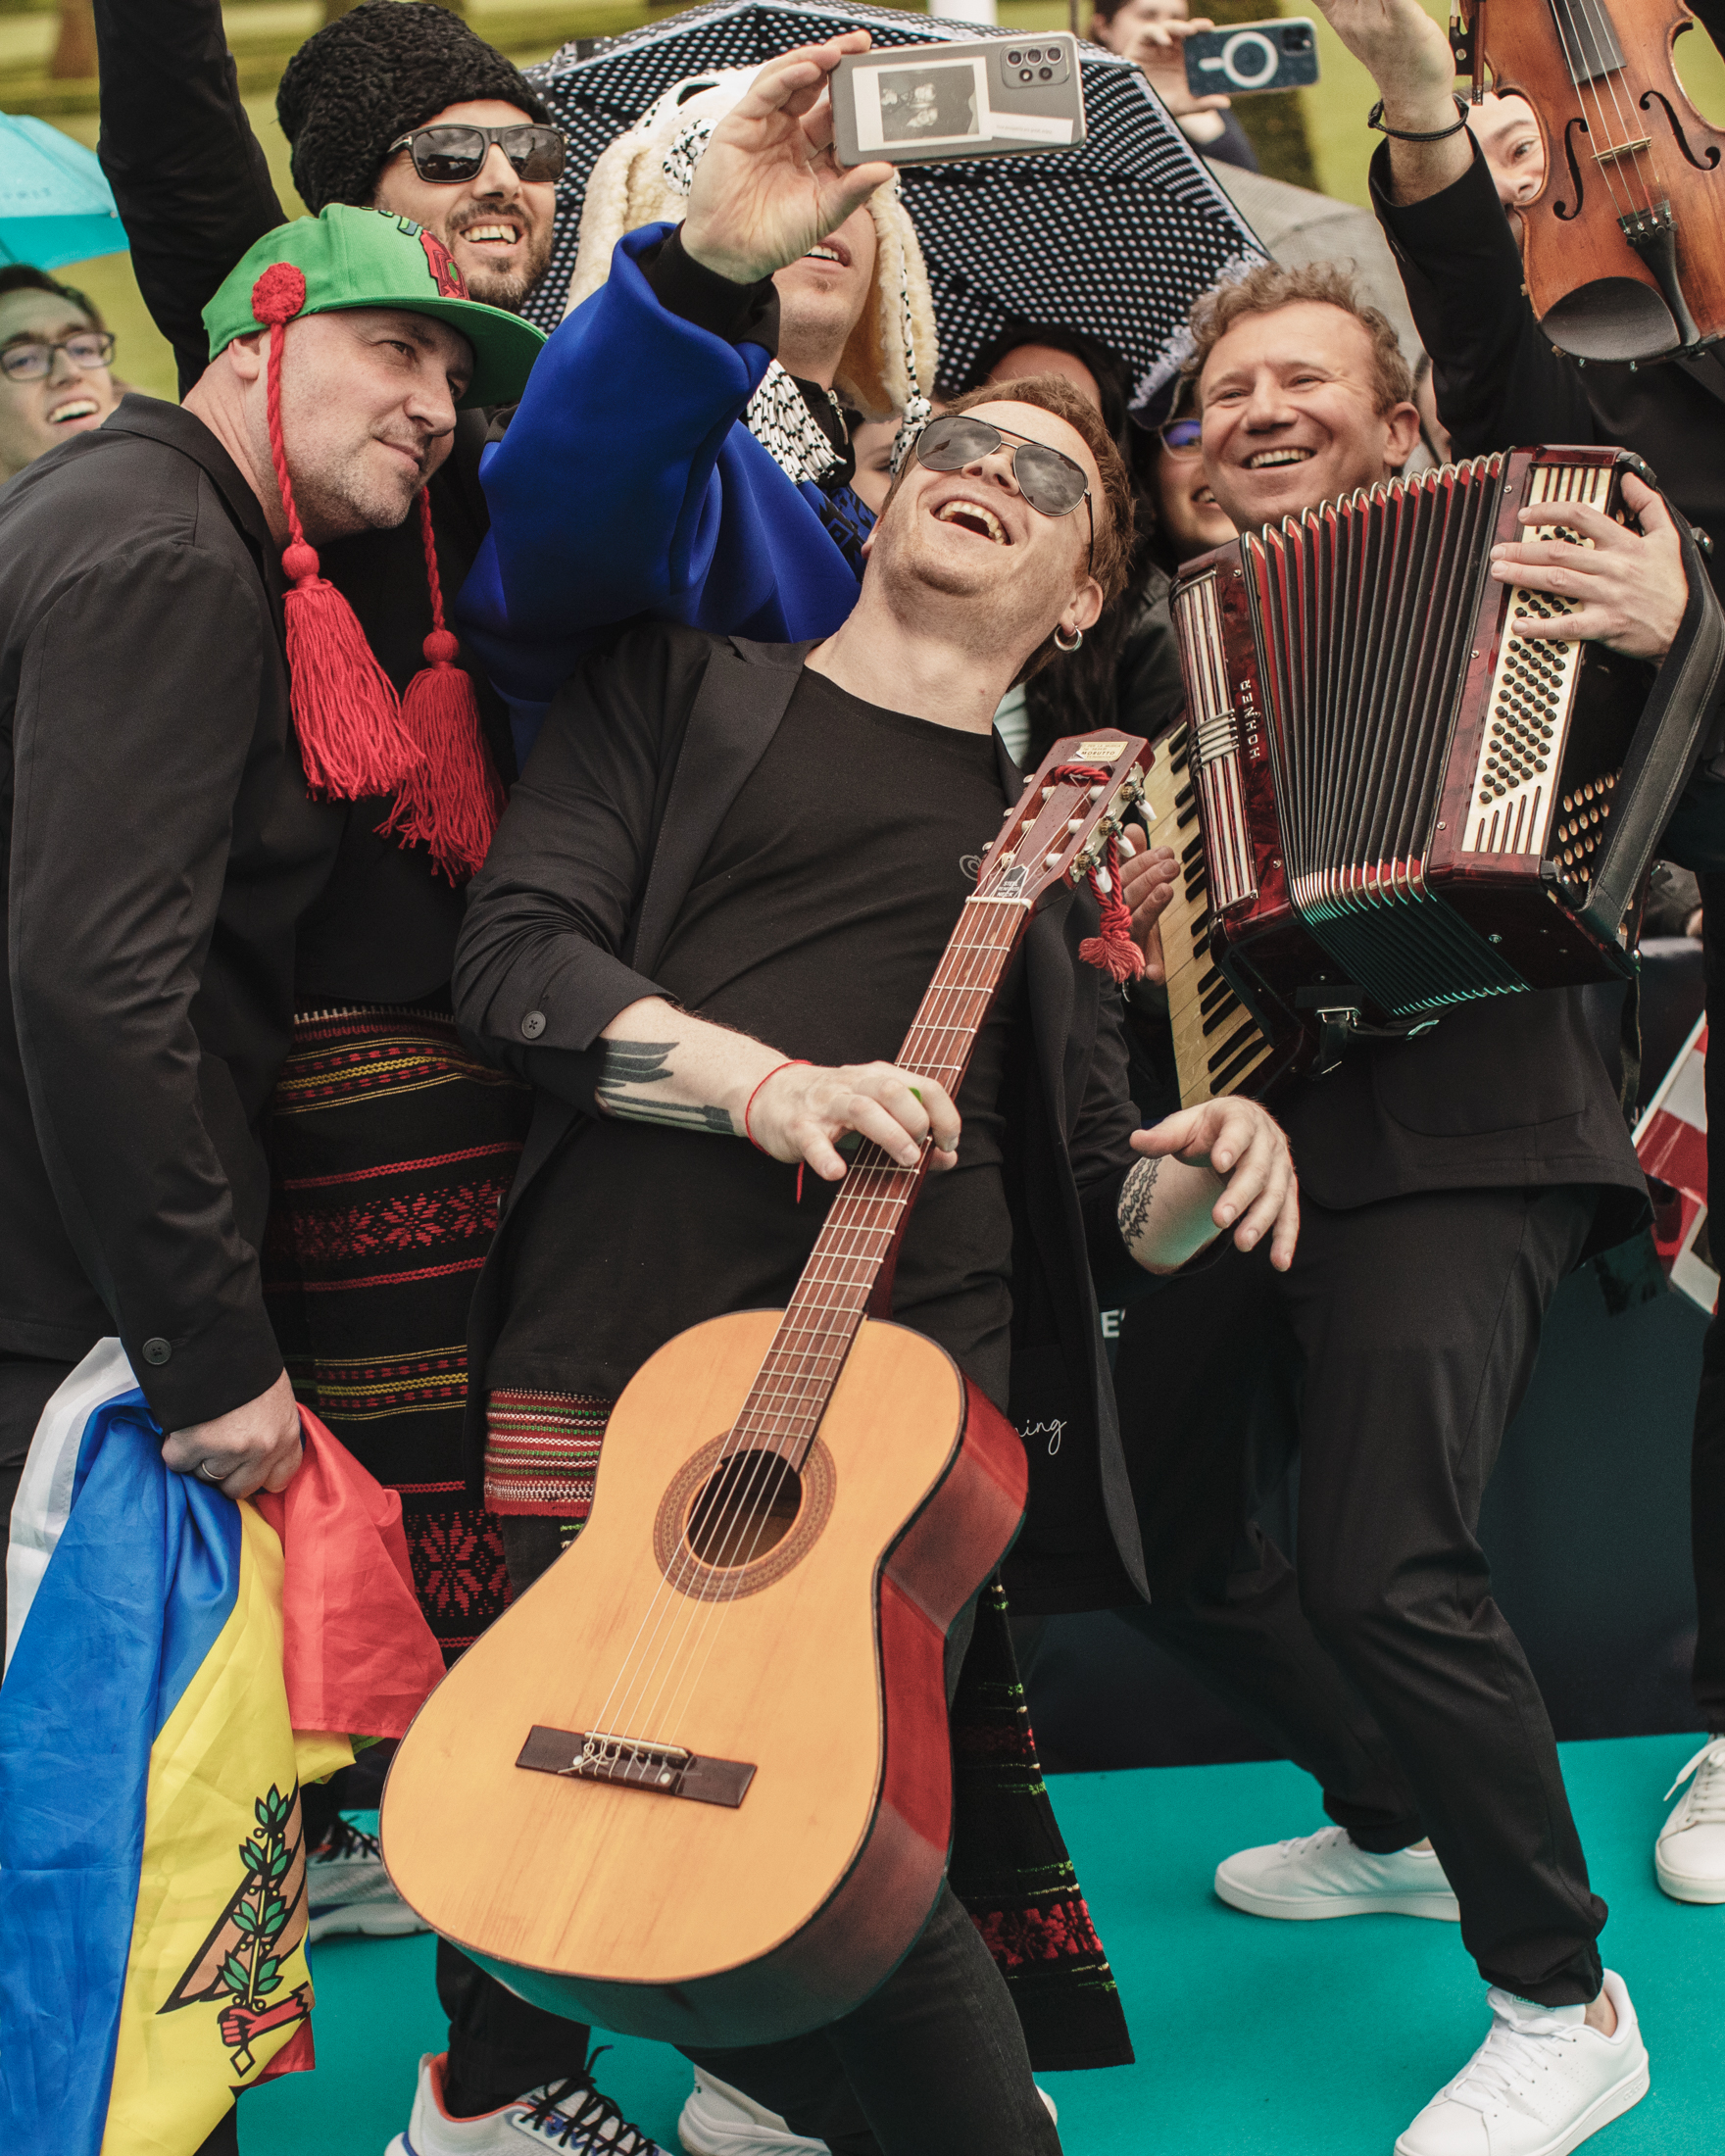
(1404, 801)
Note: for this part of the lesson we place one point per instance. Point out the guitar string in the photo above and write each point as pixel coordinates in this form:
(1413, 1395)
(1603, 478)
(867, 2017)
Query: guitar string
(644, 1653)
(988, 958)
(768, 1404)
(791, 1406)
(801, 1353)
(812, 1382)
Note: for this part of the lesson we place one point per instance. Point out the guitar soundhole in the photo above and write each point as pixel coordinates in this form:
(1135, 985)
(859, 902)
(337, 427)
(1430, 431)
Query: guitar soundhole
(746, 1509)
(727, 1528)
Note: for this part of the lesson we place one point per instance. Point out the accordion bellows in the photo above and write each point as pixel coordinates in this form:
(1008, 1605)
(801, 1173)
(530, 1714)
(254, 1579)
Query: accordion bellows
(1400, 793)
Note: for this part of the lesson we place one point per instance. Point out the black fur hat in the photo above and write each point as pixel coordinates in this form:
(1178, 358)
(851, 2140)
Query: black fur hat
(372, 75)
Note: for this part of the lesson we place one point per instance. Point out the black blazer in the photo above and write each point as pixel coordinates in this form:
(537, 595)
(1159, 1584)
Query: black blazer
(643, 752)
(159, 849)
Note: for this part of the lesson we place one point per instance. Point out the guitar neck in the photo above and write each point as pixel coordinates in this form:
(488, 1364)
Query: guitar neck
(851, 1261)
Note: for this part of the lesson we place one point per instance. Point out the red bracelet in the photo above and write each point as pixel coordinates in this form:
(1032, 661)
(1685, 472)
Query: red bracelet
(791, 1062)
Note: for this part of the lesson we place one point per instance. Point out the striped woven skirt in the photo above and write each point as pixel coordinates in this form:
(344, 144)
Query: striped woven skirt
(391, 1147)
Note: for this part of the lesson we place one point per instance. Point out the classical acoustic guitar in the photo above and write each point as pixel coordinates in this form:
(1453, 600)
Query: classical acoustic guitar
(696, 1783)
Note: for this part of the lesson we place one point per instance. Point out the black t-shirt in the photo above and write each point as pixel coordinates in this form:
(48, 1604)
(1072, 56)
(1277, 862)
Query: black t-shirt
(816, 924)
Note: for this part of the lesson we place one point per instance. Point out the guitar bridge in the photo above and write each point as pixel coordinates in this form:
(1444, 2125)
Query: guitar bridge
(636, 1763)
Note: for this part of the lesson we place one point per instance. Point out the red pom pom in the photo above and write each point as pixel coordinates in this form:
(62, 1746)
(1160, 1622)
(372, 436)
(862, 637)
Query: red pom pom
(440, 648)
(278, 294)
(300, 561)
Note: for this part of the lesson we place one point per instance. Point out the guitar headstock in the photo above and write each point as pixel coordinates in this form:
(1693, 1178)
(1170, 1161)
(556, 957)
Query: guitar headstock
(1060, 828)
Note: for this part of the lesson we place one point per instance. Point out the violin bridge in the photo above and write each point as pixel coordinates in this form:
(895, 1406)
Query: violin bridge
(1622, 149)
(637, 1763)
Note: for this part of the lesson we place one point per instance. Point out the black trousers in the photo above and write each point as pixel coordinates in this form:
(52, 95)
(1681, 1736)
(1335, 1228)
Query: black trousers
(1707, 1455)
(1393, 1356)
(933, 2065)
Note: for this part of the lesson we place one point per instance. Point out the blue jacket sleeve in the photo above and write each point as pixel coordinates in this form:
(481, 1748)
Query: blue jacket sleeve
(624, 485)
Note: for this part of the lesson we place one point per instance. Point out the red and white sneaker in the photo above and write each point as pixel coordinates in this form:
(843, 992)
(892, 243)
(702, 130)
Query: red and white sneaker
(570, 2115)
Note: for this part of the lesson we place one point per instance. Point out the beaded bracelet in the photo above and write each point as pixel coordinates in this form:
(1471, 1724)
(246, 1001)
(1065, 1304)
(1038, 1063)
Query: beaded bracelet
(1375, 118)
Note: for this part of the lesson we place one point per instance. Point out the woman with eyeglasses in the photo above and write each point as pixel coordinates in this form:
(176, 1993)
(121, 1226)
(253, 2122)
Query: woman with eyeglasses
(54, 378)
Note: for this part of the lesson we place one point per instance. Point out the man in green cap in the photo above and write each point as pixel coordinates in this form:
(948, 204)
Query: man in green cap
(181, 716)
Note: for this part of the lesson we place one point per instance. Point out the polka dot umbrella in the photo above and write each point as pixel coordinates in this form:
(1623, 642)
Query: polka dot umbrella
(1116, 239)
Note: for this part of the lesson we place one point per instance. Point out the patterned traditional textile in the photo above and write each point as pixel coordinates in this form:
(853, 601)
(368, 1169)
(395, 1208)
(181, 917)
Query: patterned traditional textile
(542, 1452)
(1010, 1869)
(391, 1147)
(1009, 1866)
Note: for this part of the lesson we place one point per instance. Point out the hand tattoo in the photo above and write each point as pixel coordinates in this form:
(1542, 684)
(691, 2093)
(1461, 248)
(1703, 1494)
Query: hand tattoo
(1136, 1194)
(632, 1066)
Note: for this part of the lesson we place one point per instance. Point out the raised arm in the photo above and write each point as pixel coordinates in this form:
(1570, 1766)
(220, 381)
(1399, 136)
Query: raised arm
(1499, 382)
(189, 177)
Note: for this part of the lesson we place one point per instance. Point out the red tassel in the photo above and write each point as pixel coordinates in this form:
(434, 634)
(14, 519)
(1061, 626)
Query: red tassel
(1113, 951)
(345, 710)
(451, 799)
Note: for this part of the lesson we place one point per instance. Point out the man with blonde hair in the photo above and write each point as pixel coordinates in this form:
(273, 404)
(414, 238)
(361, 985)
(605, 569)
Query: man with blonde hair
(1448, 1185)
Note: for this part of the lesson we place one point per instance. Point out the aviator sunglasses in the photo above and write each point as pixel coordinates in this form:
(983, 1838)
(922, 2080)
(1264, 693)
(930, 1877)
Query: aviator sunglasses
(1050, 480)
(1182, 437)
(452, 152)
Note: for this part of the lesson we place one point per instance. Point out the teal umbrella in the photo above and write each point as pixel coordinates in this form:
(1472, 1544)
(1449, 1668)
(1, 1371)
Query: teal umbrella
(55, 206)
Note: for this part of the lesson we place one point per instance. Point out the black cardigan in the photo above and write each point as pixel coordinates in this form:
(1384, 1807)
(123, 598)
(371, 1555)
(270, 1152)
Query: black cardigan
(643, 750)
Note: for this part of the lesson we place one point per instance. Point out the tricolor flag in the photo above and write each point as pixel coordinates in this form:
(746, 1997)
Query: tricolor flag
(176, 1665)
(1671, 1142)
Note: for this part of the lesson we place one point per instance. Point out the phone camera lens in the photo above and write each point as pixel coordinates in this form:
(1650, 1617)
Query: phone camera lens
(1034, 53)
(1297, 39)
(1047, 74)
(1014, 57)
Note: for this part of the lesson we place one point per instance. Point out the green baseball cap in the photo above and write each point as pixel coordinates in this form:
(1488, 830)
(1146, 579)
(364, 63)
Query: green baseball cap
(349, 257)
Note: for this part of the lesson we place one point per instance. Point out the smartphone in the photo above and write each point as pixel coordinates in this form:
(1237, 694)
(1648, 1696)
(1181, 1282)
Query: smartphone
(925, 103)
(1253, 56)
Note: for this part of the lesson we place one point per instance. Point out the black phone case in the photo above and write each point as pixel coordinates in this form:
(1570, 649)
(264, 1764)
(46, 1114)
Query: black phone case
(1229, 62)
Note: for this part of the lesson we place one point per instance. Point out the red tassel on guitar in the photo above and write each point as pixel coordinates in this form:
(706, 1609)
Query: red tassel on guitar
(451, 799)
(1113, 951)
(346, 713)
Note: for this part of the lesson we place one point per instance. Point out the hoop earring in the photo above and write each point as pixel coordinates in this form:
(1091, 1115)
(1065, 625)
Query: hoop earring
(1068, 649)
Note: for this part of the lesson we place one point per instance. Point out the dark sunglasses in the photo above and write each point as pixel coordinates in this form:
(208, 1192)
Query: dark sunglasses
(1050, 481)
(450, 153)
(31, 358)
(1182, 437)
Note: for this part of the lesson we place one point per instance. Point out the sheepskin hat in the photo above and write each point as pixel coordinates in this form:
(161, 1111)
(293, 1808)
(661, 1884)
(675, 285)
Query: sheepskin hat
(374, 74)
(644, 178)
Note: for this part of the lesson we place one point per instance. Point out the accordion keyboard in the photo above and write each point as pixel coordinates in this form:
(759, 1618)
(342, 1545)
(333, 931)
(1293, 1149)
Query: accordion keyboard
(1218, 1045)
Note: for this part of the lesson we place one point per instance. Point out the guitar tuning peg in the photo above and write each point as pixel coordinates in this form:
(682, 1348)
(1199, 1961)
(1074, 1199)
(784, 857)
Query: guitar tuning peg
(1052, 861)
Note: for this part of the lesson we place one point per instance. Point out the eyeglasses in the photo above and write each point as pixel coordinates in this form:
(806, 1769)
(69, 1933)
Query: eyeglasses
(448, 154)
(30, 358)
(1050, 481)
(1182, 437)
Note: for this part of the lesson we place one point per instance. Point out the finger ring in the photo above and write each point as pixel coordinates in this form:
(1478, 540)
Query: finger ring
(202, 1470)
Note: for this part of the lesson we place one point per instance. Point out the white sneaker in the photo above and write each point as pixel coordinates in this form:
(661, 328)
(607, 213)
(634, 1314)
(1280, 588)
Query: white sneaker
(349, 1890)
(1326, 1875)
(1539, 2086)
(1689, 1856)
(569, 2116)
(720, 2121)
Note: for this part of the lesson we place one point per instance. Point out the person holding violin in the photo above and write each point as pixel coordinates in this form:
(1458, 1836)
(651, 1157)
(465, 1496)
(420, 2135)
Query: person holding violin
(1500, 381)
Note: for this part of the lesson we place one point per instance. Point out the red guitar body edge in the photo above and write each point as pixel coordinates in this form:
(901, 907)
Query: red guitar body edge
(860, 1934)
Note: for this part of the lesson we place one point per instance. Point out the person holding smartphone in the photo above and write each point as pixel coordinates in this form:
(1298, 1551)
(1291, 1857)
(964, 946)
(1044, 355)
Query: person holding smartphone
(1154, 32)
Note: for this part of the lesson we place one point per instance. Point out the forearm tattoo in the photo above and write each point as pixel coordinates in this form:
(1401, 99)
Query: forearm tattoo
(632, 1068)
(1136, 1194)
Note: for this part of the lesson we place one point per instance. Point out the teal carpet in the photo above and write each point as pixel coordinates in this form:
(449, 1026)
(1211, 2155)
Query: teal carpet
(1253, 2038)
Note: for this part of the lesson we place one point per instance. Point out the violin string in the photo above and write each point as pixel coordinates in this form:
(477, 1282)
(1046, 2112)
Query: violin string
(1574, 56)
(1632, 126)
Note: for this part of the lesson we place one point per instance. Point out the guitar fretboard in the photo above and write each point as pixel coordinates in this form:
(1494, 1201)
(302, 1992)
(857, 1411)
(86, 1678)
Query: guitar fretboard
(861, 1233)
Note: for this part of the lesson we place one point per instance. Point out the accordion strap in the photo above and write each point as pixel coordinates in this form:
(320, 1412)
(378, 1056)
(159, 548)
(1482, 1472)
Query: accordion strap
(1663, 750)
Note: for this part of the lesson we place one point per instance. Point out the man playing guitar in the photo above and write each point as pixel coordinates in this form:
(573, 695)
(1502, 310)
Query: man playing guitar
(713, 905)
